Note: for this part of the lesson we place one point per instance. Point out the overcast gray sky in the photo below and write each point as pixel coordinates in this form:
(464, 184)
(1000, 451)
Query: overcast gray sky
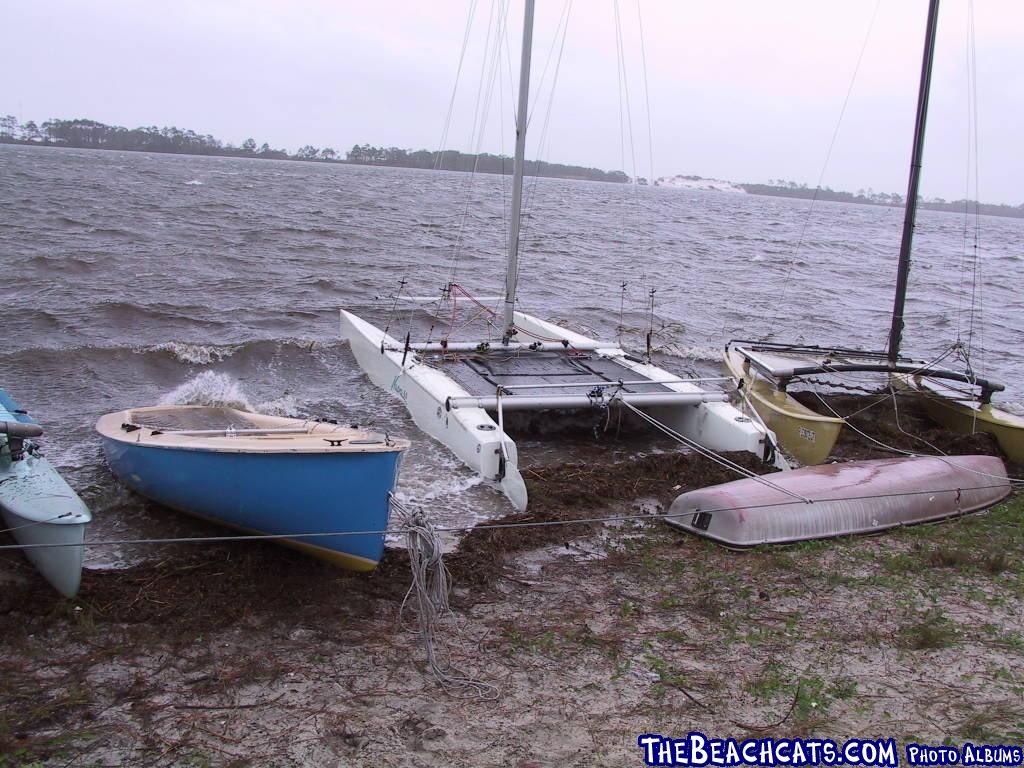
(744, 90)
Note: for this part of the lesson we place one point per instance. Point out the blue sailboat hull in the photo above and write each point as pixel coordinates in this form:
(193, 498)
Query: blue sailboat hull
(272, 493)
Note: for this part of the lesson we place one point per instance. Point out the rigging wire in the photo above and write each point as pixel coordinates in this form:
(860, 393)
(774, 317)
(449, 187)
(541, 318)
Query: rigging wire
(647, 96)
(483, 93)
(977, 286)
(626, 131)
(530, 190)
(707, 452)
(939, 452)
(496, 526)
(455, 87)
(772, 324)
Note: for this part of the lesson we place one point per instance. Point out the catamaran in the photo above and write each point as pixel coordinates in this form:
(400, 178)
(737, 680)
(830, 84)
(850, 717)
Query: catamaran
(458, 391)
(958, 399)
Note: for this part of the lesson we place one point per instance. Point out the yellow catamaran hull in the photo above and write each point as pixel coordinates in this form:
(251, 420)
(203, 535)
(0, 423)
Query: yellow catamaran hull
(803, 434)
(968, 417)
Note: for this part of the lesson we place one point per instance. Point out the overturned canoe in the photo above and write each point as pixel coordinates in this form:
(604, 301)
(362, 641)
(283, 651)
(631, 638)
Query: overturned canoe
(324, 488)
(840, 499)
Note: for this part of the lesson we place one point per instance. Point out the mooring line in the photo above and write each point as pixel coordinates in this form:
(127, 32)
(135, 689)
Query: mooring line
(492, 526)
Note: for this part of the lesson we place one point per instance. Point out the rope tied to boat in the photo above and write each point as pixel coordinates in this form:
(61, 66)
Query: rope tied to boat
(708, 453)
(35, 523)
(430, 589)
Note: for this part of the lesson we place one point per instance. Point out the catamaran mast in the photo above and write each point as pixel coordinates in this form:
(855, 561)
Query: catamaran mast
(517, 171)
(896, 331)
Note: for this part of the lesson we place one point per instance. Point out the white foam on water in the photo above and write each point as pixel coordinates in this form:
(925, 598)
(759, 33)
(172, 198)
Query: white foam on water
(437, 487)
(194, 183)
(286, 405)
(1014, 407)
(696, 352)
(209, 388)
(194, 354)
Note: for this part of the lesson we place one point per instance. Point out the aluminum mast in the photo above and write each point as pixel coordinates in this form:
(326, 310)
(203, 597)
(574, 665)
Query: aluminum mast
(511, 275)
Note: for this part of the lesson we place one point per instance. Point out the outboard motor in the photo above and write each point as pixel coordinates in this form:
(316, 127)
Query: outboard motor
(17, 433)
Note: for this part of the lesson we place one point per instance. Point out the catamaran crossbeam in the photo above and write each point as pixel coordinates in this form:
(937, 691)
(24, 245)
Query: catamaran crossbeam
(512, 346)
(850, 361)
(597, 398)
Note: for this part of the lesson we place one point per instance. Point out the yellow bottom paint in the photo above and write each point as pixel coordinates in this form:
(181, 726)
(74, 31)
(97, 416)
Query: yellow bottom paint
(339, 559)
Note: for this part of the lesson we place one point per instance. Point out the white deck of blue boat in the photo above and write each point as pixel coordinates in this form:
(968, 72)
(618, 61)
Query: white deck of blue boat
(209, 428)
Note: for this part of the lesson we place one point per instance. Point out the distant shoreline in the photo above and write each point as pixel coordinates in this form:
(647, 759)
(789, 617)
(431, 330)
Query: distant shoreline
(452, 160)
(893, 201)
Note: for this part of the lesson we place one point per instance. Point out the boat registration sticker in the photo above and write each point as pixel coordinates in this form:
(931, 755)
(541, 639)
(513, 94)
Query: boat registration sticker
(807, 434)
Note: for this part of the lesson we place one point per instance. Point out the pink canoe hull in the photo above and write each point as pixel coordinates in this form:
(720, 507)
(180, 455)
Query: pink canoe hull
(847, 498)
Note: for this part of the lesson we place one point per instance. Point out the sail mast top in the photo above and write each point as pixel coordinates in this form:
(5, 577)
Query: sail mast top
(910, 216)
(511, 273)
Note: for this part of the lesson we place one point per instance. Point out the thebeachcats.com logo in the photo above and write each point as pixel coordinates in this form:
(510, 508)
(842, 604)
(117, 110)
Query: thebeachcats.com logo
(696, 750)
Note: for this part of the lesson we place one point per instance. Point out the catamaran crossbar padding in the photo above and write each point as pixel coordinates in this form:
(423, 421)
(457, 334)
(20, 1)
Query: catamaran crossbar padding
(592, 400)
(610, 382)
(483, 346)
(930, 373)
(20, 429)
(987, 387)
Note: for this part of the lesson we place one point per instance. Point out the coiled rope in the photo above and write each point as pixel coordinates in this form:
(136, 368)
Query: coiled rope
(430, 588)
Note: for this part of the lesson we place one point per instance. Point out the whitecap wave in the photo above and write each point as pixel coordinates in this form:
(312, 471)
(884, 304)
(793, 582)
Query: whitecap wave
(1014, 407)
(209, 388)
(696, 352)
(194, 183)
(194, 354)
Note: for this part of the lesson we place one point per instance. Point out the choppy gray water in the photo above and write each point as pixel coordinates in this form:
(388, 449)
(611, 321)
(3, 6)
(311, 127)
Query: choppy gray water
(132, 278)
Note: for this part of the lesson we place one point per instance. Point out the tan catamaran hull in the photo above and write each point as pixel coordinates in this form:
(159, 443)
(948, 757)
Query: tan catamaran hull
(801, 433)
(970, 417)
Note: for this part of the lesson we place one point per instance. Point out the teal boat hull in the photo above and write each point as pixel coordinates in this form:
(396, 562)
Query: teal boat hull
(41, 511)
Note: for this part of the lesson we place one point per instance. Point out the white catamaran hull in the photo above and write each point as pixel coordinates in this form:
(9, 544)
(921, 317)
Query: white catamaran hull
(469, 432)
(472, 434)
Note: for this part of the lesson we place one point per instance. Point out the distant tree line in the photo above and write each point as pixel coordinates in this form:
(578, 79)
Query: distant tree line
(91, 134)
(870, 197)
(451, 160)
